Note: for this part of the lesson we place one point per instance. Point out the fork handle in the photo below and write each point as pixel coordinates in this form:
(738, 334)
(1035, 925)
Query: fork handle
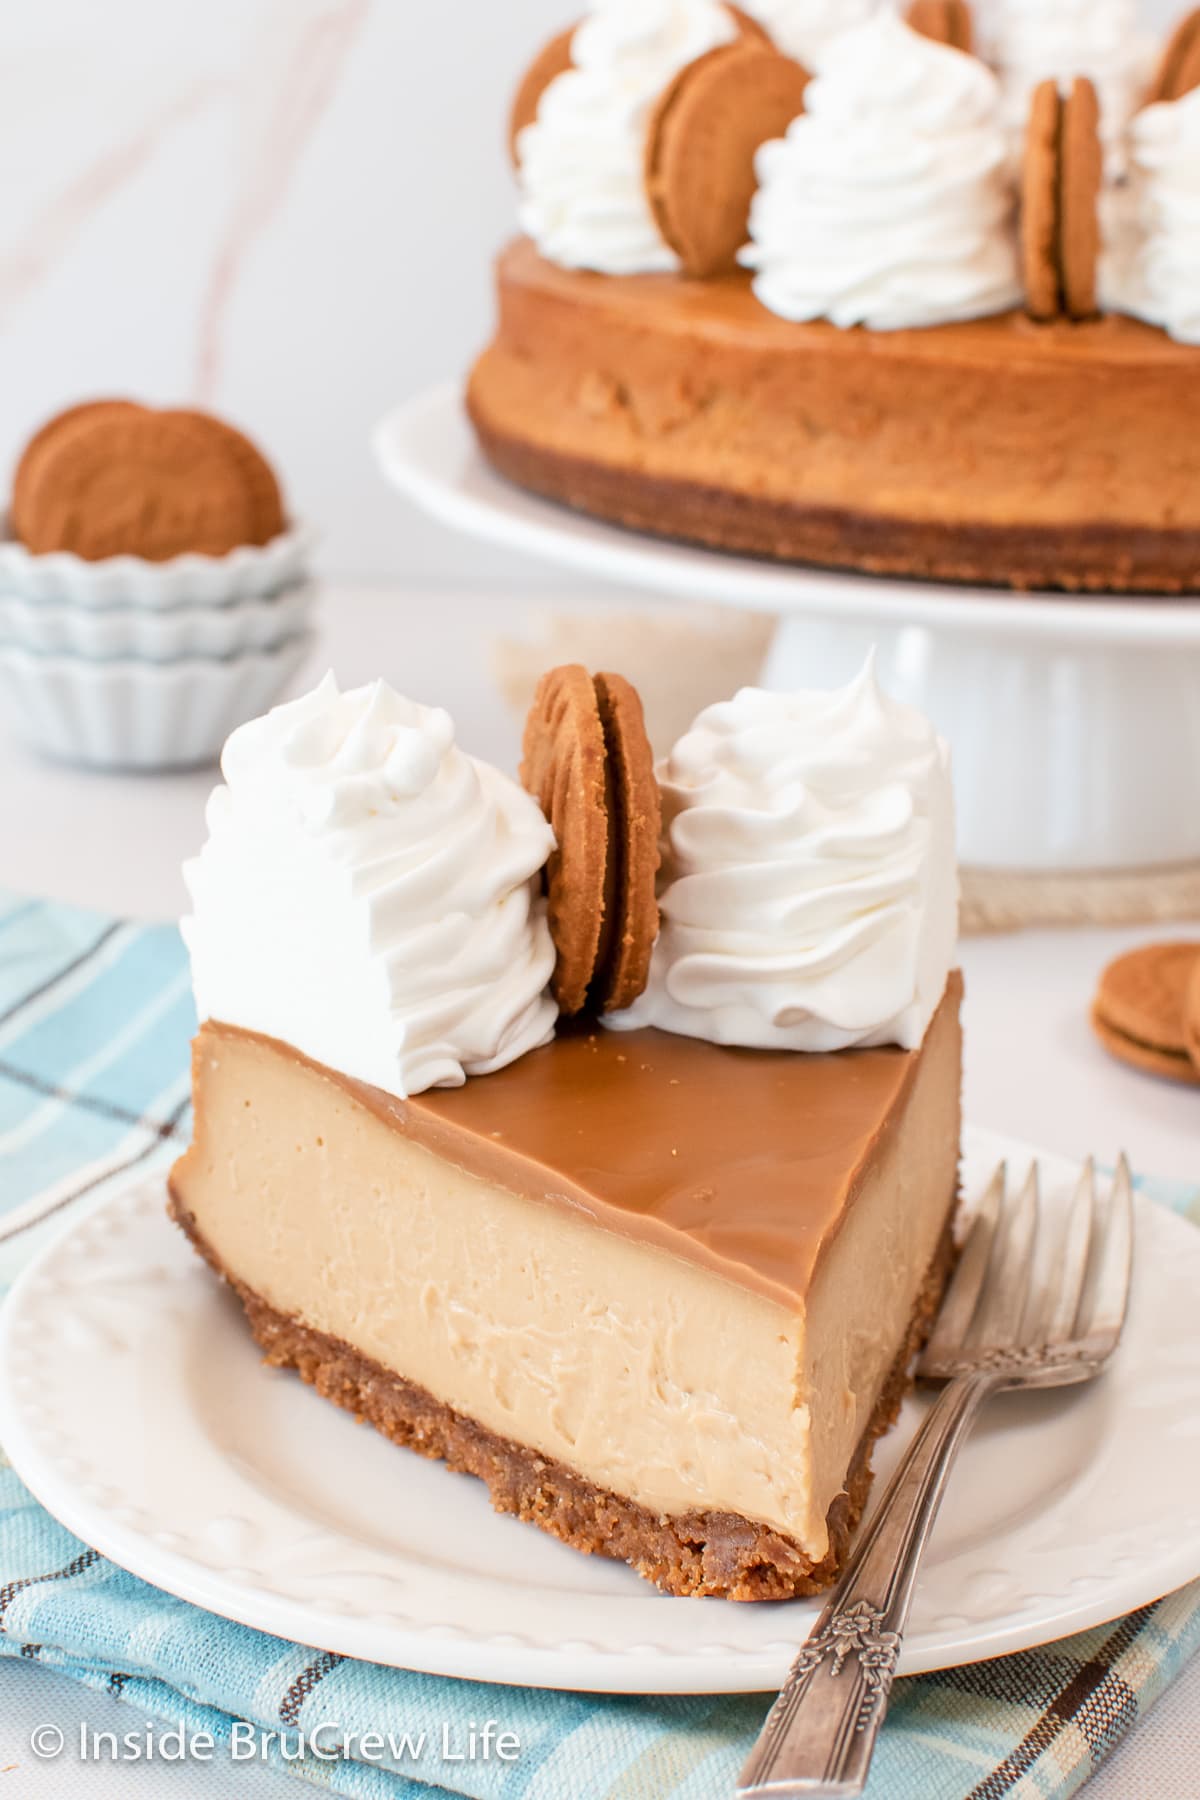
(819, 1735)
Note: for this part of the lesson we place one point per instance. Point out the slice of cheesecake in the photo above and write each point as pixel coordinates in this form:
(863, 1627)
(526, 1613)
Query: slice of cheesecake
(661, 1296)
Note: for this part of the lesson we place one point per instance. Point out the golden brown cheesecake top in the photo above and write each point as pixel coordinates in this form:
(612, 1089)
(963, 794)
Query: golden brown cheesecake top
(743, 1160)
(725, 308)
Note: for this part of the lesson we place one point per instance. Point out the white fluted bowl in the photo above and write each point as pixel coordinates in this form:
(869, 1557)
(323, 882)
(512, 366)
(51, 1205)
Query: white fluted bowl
(140, 715)
(248, 573)
(104, 634)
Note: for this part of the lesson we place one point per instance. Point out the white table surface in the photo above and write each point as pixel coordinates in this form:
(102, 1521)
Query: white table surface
(1033, 1069)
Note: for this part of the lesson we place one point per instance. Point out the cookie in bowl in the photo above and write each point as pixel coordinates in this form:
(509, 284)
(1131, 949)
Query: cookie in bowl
(113, 478)
(153, 592)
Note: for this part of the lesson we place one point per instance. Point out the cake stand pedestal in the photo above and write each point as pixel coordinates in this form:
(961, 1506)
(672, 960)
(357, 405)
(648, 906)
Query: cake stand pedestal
(1074, 722)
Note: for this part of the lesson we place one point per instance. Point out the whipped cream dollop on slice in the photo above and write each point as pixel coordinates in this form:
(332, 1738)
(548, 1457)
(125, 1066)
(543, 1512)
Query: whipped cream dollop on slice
(1151, 265)
(890, 201)
(810, 889)
(806, 28)
(366, 894)
(580, 164)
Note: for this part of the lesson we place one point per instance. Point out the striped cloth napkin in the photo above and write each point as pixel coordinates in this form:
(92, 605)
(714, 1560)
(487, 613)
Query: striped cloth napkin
(95, 1017)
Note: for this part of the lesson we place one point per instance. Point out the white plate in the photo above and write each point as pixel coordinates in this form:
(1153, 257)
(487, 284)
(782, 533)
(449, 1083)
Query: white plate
(427, 449)
(134, 1404)
(103, 634)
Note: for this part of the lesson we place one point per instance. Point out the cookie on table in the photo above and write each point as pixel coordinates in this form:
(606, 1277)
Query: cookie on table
(1147, 1010)
(1191, 1016)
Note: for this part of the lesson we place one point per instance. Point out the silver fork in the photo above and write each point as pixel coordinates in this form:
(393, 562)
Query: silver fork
(1020, 1312)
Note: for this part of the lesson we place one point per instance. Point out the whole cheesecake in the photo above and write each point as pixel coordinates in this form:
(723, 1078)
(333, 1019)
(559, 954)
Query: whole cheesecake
(999, 450)
(876, 293)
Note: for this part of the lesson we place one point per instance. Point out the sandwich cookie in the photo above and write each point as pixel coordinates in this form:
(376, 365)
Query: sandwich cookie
(1147, 1010)
(587, 761)
(1060, 186)
(701, 144)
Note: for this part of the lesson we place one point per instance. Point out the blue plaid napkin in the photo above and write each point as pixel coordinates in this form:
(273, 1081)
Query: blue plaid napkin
(95, 1017)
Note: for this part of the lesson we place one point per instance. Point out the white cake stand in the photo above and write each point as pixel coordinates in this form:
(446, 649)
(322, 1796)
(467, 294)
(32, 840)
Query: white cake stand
(1075, 723)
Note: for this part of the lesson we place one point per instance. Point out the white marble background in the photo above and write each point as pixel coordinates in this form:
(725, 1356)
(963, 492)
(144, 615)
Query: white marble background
(282, 208)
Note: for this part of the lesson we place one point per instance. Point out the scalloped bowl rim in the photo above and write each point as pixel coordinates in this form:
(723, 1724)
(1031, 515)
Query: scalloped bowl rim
(187, 610)
(303, 536)
(59, 661)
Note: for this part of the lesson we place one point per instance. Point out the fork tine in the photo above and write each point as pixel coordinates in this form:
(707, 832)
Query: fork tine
(1005, 1294)
(1066, 1284)
(1106, 1293)
(958, 1308)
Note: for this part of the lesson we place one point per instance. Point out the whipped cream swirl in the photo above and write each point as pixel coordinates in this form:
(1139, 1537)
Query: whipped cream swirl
(1152, 263)
(366, 894)
(810, 893)
(1031, 41)
(583, 196)
(806, 28)
(889, 203)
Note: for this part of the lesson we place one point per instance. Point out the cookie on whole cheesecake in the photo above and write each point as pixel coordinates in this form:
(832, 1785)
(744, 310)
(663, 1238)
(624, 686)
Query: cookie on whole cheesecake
(1060, 198)
(1145, 1010)
(1179, 68)
(701, 143)
(1079, 210)
(945, 21)
(587, 761)
(1040, 202)
(112, 478)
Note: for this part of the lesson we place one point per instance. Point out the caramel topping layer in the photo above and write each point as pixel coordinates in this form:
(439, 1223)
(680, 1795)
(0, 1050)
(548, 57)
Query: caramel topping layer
(742, 1160)
(723, 314)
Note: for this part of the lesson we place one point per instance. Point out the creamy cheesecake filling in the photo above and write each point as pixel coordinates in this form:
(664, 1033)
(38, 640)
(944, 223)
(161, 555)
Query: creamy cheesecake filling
(862, 1297)
(618, 1343)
